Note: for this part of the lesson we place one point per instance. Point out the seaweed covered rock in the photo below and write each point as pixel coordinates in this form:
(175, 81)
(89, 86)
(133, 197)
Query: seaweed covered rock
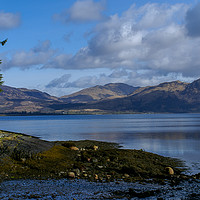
(24, 156)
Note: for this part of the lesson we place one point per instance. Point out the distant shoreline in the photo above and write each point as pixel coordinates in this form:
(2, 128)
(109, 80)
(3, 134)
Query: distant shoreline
(91, 113)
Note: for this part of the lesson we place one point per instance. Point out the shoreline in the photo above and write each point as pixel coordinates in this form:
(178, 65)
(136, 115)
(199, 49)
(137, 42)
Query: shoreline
(90, 113)
(91, 168)
(57, 159)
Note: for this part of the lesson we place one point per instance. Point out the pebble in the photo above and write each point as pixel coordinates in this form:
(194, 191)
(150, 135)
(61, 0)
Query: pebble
(170, 170)
(74, 148)
(71, 175)
(95, 147)
(77, 171)
(126, 176)
(96, 177)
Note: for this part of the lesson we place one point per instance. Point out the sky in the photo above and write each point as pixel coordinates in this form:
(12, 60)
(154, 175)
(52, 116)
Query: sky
(63, 46)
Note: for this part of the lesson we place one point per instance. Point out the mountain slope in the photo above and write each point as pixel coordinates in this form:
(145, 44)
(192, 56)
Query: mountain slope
(164, 97)
(97, 93)
(173, 96)
(24, 100)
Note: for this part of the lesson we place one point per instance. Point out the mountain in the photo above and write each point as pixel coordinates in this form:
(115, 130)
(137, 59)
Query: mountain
(24, 100)
(165, 97)
(98, 93)
(168, 97)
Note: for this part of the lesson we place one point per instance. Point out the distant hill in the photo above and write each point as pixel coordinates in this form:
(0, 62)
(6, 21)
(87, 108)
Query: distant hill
(24, 100)
(165, 97)
(97, 93)
(174, 97)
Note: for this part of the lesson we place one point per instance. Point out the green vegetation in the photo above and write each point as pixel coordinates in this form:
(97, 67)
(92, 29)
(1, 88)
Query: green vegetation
(24, 156)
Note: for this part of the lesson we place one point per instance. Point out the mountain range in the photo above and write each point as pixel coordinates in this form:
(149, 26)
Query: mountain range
(173, 97)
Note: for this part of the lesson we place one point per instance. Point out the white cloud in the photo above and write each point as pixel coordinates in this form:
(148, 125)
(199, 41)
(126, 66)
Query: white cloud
(38, 55)
(89, 81)
(9, 20)
(149, 37)
(59, 82)
(144, 46)
(82, 11)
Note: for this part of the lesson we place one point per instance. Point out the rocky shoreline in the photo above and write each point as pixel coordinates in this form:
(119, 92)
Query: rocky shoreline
(25, 157)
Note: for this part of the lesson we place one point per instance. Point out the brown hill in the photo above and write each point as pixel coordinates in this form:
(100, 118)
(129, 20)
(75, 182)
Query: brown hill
(173, 96)
(98, 93)
(24, 100)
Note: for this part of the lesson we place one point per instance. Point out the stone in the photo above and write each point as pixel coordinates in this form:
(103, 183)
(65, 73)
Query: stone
(169, 170)
(96, 177)
(71, 174)
(77, 171)
(74, 148)
(108, 177)
(95, 147)
(126, 176)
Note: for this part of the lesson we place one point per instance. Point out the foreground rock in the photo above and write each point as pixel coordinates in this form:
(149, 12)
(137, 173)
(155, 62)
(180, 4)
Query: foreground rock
(27, 157)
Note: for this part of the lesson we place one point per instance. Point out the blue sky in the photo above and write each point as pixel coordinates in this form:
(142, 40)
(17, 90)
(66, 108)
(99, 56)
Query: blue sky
(63, 46)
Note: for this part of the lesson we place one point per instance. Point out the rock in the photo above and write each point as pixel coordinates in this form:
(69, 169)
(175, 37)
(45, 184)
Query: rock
(126, 176)
(108, 177)
(61, 173)
(71, 175)
(169, 170)
(95, 147)
(96, 177)
(74, 148)
(77, 171)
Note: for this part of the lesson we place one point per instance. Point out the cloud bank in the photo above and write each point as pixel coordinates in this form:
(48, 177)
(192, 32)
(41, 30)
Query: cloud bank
(142, 46)
(9, 20)
(152, 37)
(82, 11)
(38, 55)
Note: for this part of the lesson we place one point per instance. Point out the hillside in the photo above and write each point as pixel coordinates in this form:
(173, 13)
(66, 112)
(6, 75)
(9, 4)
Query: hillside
(24, 100)
(172, 97)
(97, 93)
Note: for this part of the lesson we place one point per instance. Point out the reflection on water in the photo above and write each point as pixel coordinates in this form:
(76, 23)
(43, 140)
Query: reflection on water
(174, 135)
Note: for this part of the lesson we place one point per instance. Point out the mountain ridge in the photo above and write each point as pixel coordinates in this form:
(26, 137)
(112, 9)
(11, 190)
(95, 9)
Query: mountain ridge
(98, 92)
(175, 96)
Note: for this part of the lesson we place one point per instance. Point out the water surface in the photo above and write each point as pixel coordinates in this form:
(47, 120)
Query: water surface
(174, 135)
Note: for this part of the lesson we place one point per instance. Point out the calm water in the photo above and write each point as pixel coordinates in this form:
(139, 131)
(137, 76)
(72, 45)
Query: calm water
(174, 135)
